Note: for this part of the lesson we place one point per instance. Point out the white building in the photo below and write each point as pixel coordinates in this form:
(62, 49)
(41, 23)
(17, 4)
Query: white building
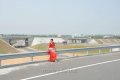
(39, 40)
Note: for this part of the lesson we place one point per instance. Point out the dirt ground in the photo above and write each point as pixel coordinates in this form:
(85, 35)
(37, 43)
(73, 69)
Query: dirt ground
(24, 60)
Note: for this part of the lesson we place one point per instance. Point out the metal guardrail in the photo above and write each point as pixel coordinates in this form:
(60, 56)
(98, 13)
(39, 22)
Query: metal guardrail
(33, 54)
(87, 49)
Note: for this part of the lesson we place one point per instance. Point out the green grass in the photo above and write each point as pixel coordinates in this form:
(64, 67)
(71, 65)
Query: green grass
(2, 50)
(92, 52)
(69, 46)
(58, 46)
(105, 50)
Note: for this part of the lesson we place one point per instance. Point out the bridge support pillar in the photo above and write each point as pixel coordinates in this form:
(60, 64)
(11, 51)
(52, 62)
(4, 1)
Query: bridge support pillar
(10, 40)
(32, 59)
(26, 42)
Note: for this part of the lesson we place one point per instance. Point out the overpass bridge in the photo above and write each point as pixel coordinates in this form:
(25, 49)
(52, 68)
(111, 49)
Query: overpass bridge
(12, 39)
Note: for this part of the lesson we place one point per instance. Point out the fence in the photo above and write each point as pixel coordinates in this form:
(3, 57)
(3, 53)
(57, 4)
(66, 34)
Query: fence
(33, 54)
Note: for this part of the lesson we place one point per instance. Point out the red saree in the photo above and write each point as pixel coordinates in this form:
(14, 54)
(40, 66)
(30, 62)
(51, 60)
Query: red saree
(52, 52)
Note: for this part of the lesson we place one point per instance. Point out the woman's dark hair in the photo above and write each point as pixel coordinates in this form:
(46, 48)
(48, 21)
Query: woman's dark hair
(51, 39)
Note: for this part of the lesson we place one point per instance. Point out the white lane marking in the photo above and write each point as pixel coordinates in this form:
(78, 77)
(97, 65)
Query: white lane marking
(70, 69)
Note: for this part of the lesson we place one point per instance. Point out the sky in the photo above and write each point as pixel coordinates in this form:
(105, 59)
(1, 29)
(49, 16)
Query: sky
(60, 17)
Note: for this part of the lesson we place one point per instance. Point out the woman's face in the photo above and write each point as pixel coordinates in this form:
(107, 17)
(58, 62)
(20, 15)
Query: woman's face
(51, 40)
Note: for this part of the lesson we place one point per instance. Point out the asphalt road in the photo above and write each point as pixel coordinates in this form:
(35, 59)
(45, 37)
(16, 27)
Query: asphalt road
(97, 67)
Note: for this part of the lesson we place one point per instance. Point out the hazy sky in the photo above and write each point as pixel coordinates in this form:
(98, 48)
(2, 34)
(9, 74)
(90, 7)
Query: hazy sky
(60, 16)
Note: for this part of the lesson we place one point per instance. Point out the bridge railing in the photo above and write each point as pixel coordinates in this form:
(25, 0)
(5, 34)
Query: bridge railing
(42, 53)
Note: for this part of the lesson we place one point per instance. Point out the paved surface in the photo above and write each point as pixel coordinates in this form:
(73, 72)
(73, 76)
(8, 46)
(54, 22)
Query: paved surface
(97, 67)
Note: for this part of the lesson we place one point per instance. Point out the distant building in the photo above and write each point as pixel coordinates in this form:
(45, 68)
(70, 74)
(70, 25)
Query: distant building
(106, 37)
(77, 40)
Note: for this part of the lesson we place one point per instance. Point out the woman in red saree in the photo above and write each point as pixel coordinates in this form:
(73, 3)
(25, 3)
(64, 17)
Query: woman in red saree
(52, 51)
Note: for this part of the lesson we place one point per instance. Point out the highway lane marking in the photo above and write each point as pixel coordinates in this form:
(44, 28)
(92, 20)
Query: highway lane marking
(43, 75)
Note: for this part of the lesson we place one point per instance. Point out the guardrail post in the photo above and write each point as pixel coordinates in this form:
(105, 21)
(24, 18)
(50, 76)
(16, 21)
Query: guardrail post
(0, 63)
(32, 59)
(87, 52)
(73, 54)
(110, 49)
(99, 51)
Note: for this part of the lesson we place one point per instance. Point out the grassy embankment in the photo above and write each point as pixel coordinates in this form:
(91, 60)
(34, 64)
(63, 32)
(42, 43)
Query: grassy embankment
(6, 48)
